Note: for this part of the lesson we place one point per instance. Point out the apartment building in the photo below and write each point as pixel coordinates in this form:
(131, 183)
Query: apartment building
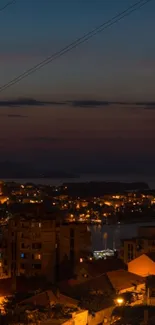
(75, 242)
(33, 247)
(28, 247)
(143, 243)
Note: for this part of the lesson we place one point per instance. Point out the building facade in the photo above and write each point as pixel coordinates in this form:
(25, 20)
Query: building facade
(38, 247)
(143, 243)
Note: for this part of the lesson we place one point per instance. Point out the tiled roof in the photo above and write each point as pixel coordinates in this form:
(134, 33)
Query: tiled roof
(48, 297)
(94, 294)
(98, 284)
(122, 279)
(95, 268)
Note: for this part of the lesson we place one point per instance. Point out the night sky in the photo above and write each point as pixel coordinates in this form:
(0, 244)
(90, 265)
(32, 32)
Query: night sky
(77, 129)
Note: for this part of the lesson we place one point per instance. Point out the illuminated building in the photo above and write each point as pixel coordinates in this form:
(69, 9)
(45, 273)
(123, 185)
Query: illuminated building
(3, 199)
(103, 254)
(74, 243)
(28, 247)
(1, 187)
(33, 247)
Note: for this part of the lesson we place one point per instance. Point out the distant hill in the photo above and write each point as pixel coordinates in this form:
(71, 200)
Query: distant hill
(91, 189)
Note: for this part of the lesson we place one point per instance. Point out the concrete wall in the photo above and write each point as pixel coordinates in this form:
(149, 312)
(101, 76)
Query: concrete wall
(100, 316)
(80, 318)
(151, 301)
(83, 318)
(139, 288)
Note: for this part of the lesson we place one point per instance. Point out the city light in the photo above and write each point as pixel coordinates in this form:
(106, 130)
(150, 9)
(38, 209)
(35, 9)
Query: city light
(120, 301)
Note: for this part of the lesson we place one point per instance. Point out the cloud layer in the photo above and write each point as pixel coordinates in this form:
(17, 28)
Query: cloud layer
(75, 103)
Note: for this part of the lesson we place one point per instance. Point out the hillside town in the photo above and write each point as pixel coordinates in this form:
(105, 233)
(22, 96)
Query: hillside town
(122, 206)
(75, 247)
(48, 271)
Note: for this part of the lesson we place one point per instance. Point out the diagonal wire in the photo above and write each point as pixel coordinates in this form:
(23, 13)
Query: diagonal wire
(77, 42)
(8, 4)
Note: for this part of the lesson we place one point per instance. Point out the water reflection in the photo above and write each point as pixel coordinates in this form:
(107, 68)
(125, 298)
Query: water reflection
(114, 234)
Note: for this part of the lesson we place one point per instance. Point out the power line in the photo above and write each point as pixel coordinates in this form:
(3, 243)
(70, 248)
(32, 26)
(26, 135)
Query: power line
(74, 44)
(8, 4)
(77, 42)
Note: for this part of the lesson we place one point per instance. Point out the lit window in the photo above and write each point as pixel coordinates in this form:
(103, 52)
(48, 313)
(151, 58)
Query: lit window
(81, 260)
(37, 256)
(85, 275)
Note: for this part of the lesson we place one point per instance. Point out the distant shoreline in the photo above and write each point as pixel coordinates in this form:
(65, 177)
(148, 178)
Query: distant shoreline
(83, 178)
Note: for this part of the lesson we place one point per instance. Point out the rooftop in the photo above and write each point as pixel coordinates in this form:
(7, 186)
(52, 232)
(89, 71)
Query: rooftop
(48, 297)
(101, 266)
(122, 279)
(23, 285)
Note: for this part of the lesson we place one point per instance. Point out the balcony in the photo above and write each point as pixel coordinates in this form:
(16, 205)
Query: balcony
(25, 247)
(25, 236)
(36, 246)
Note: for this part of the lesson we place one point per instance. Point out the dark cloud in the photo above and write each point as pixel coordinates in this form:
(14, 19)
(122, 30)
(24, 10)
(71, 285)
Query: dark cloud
(16, 116)
(97, 103)
(74, 103)
(149, 104)
(89, 103)
(27, 102)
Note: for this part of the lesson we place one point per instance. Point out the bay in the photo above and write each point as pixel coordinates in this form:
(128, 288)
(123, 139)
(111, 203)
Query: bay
(114, 234)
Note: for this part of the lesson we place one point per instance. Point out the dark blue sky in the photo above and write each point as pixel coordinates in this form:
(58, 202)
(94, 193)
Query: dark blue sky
(118, 64)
